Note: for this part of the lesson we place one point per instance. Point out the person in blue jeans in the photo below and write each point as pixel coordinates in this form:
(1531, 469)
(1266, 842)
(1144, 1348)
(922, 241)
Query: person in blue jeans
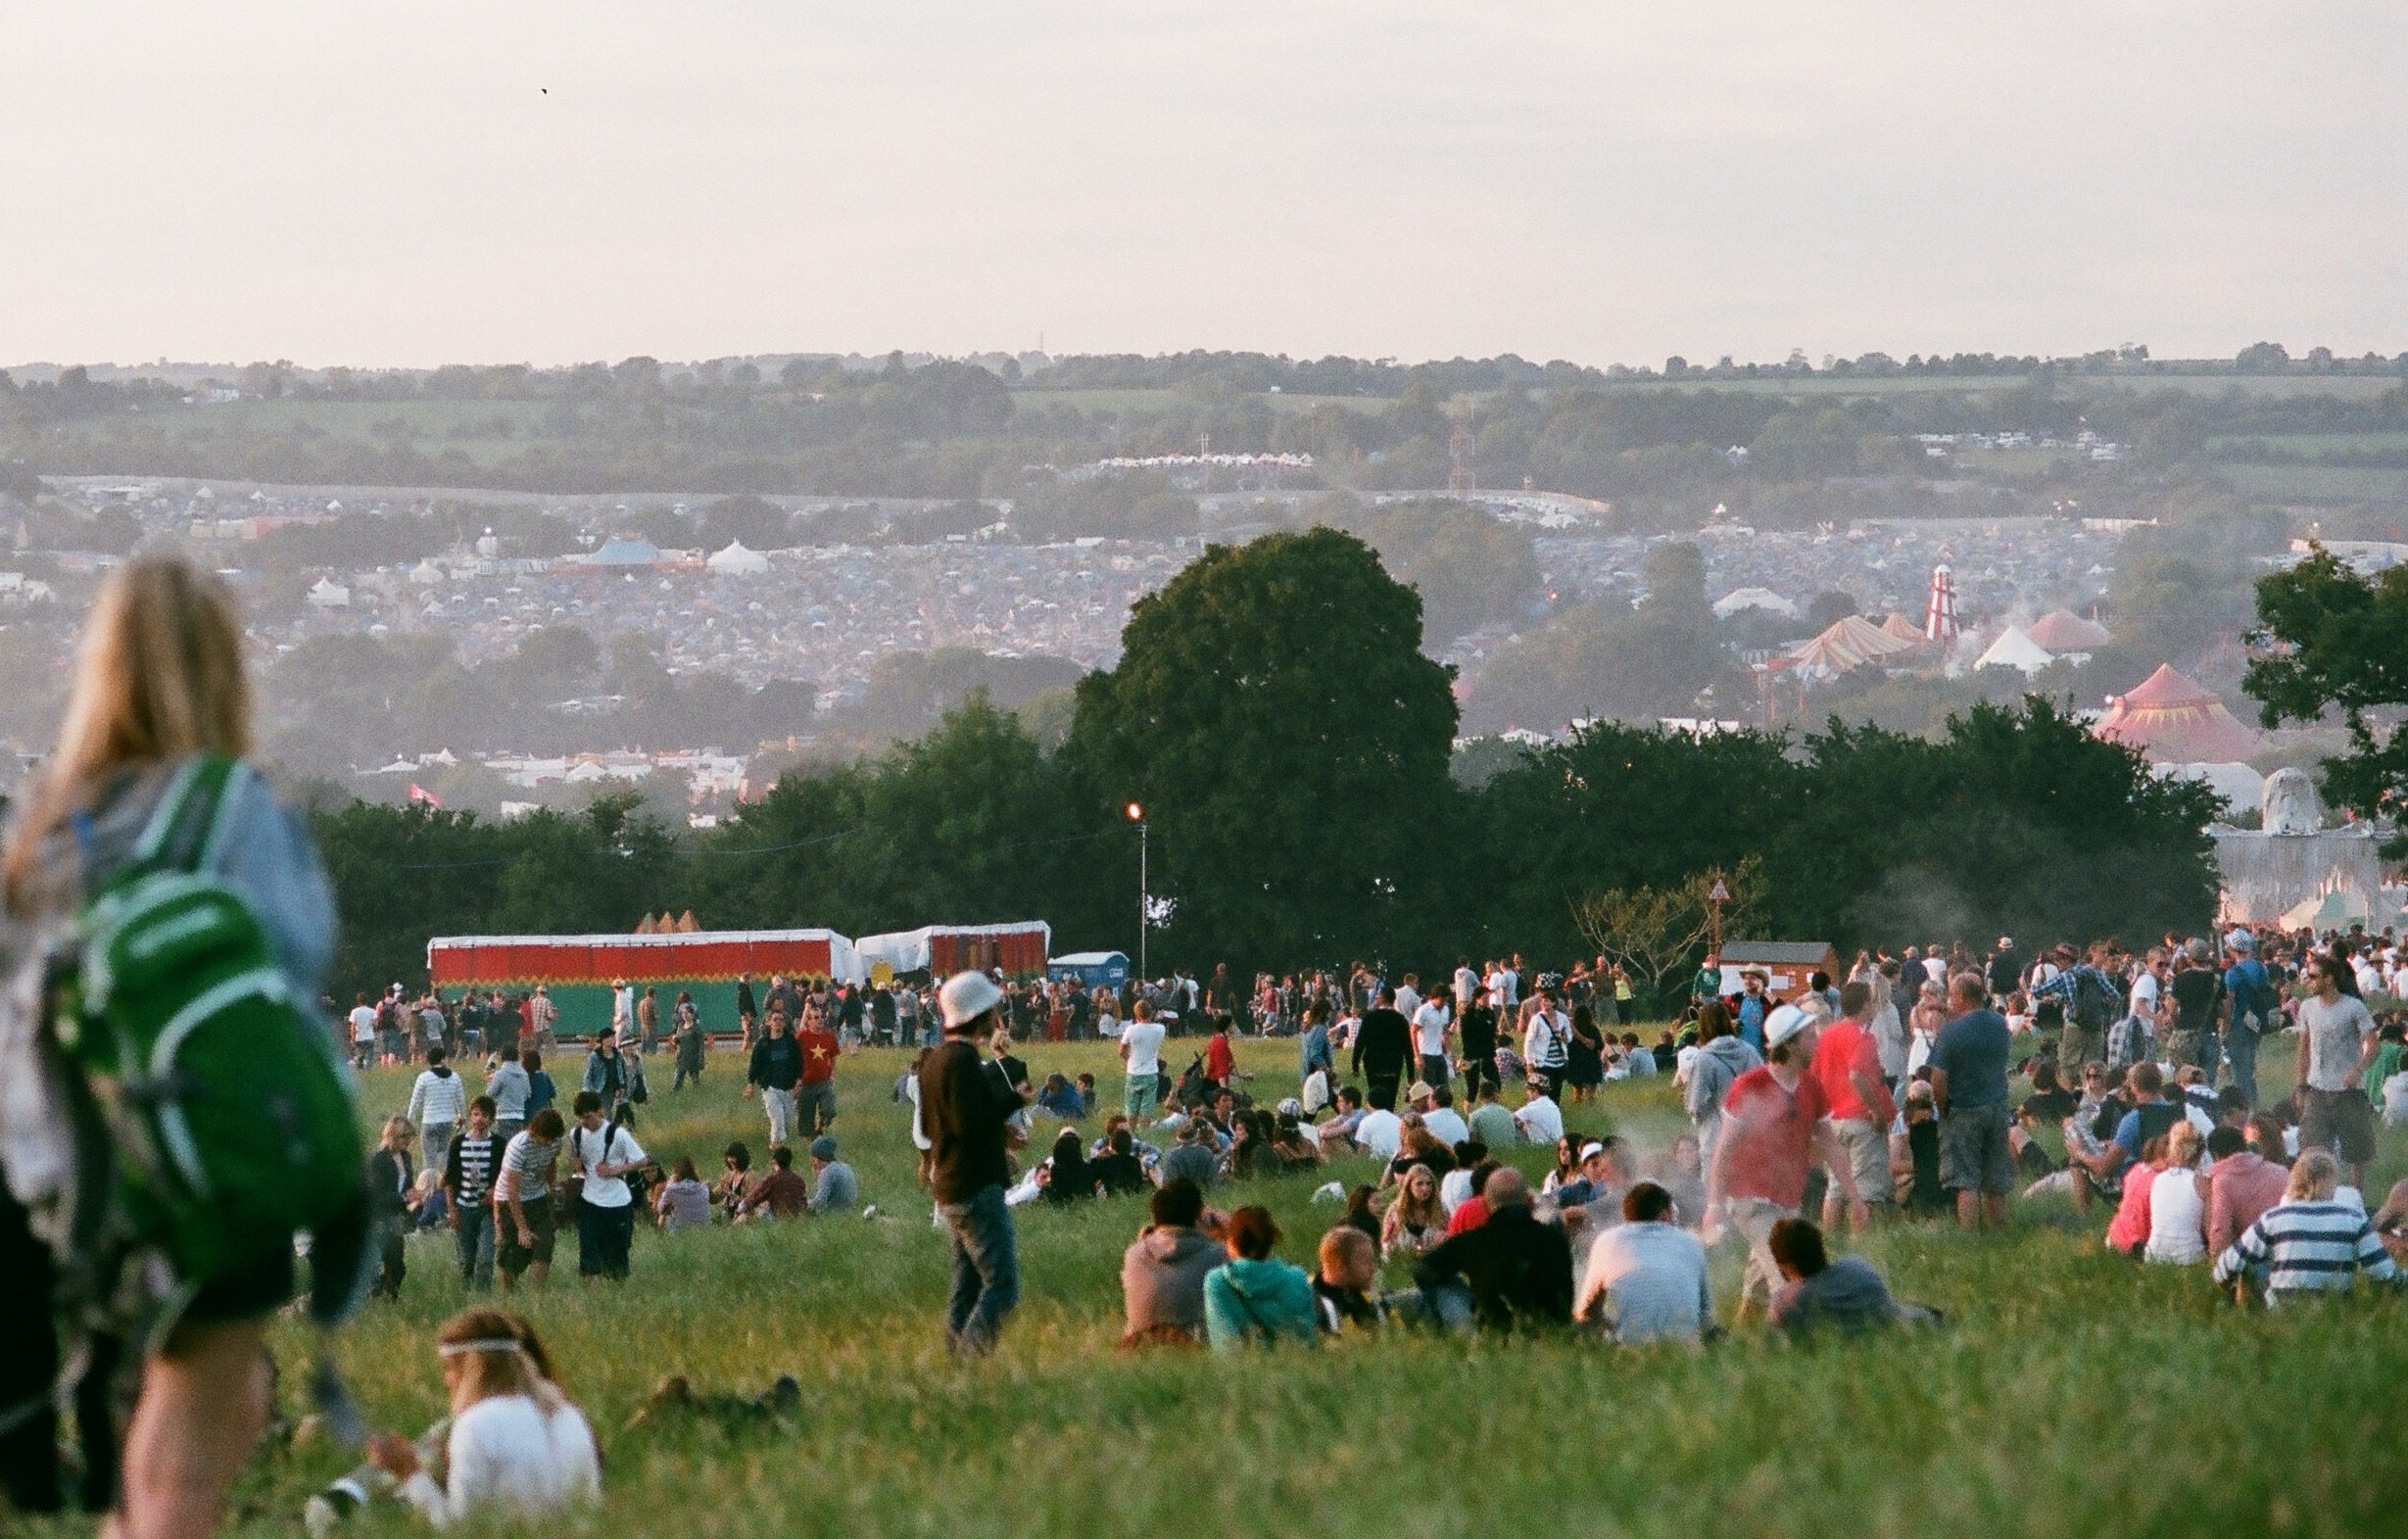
(966, 1108)
(2253, 1009)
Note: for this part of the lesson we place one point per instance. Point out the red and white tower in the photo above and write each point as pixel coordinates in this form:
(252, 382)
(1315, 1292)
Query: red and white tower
(1940, 615)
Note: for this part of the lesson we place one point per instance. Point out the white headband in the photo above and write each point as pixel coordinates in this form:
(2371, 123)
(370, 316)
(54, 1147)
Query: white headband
(461, 1349)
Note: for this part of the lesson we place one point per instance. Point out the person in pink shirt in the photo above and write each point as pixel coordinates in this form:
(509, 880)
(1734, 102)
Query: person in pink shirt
(1847, 1068)
(2241, 1184)
(2128, 1230)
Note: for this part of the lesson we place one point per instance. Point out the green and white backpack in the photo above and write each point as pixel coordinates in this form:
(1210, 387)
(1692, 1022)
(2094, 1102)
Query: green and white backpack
(230, 1118)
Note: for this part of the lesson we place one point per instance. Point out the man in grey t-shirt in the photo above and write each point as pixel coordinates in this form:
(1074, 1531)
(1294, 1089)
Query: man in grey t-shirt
(2340, 1042)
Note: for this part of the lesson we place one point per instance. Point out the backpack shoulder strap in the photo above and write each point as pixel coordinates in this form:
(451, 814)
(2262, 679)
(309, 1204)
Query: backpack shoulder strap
(188, 827)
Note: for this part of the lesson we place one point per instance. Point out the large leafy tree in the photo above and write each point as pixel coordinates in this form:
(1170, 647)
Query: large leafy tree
(1272, 713)
(2334, 640)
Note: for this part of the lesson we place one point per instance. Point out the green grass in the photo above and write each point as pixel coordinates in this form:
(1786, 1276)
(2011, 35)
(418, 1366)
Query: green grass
(2070, 1393)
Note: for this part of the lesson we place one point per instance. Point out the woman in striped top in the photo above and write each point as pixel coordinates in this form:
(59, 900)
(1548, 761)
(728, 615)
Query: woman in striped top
(2308, 1242)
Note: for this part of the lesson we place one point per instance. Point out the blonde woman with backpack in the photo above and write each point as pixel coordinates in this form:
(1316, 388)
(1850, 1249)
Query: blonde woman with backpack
(159, 688)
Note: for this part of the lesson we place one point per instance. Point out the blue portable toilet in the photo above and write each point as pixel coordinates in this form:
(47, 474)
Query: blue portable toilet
(1094, 968)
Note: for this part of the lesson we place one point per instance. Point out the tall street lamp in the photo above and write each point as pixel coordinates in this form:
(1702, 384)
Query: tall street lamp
(1136, 815)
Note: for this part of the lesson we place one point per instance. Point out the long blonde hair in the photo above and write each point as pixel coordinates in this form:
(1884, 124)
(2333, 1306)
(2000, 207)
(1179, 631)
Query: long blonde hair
(158, 677)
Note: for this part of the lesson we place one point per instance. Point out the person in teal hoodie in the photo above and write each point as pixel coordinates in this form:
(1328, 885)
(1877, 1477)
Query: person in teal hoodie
(1252, 1299)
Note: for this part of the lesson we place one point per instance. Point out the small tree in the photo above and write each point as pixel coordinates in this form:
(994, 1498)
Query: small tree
(1655, 933)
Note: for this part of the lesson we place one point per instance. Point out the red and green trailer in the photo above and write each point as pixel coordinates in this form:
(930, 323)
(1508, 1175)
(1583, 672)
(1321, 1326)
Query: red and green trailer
(578, 971)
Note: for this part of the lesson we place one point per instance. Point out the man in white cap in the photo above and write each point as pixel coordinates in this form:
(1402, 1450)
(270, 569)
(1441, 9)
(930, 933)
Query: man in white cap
(965, 1111)
(1773, 1132)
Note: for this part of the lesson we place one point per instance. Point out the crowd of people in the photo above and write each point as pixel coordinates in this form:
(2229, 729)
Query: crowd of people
(1818, 1114)
(1818, 1111)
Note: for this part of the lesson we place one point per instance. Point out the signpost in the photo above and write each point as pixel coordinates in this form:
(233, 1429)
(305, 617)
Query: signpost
(1714, 899)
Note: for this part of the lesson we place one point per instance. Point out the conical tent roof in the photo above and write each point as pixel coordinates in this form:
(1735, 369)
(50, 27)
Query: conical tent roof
(2015, 650)
(1849, 643)
(1905, 630)
(737, 559)
(2063, 631)
(2176, 720)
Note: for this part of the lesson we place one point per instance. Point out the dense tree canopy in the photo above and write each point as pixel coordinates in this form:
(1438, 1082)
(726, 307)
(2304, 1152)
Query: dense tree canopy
(1273, 715)
(2337, 641)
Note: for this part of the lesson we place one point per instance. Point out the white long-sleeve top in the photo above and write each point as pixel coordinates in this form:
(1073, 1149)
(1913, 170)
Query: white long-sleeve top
(505, 1452)
(438, 1097)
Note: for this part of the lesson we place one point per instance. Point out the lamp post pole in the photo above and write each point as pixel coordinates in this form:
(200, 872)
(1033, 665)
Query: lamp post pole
(1136, 815)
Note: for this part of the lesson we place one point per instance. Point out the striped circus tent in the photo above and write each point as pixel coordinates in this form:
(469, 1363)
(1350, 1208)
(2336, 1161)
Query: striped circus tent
(1845, 643)
(2177, 720)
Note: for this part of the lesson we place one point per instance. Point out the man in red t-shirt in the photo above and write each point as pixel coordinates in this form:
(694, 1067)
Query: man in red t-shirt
(815, 1097)
(1772, 1133)
(1847, 1068)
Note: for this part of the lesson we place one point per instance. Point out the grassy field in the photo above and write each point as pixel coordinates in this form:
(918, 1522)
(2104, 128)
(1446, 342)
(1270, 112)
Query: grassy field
(2070, 1392)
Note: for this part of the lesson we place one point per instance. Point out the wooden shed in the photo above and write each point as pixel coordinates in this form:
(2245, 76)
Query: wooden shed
(1785, 964)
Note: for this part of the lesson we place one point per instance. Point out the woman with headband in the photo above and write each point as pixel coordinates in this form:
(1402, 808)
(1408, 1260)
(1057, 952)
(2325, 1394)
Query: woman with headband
(515, 1442)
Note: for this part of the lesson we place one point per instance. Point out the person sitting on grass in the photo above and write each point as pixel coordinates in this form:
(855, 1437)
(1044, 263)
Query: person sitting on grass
(1191, 1158)
(2309, 1242)
(2178, 1202)
(2095, 1163)
(1252, 1299)
(1646, 1279)
(833, 1186)
(1116, 1167)
(780, 1194)
(1416, 1220)
(2241, 1184)
(683, 1203)
(516, 1447)
(1845, 1295)
(1163, 1271)
(735, 1177)
(1517, 1270)
(1349, 1266)
(2128, 1230)
(1066, 1175)
(1336, 1132)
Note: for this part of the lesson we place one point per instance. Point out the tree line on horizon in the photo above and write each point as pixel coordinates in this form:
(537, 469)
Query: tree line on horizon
(1275, 718)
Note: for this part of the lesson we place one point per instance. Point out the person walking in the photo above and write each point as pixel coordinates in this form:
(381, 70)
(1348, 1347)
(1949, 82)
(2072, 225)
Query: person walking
(1545, 1043)
(776, 1069)
(966, 1111)
(1384, 1044)
(158, 683)
(438, 1101)
(524, 1216)
(603, 1153)
(1476, 1036)
(692, 1044)
(471, 1167)
(815, 1101)
(1773, 1132)
(511, 1087)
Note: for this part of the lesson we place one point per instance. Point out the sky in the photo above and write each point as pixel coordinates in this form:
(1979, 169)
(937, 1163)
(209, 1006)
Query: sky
(407, 186)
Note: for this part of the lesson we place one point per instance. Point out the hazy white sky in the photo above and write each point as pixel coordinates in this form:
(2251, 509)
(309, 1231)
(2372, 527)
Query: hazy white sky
(1599, 180)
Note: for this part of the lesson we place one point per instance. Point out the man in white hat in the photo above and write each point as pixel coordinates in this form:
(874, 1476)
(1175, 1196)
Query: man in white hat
(965, 1112)
(1773, 1132)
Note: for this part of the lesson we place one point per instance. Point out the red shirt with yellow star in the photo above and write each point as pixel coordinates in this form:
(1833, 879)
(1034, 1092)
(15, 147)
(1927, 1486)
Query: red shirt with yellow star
(818, 1045)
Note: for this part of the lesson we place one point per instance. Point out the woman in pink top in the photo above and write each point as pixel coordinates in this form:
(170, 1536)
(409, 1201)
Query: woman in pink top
(2129, 1232)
